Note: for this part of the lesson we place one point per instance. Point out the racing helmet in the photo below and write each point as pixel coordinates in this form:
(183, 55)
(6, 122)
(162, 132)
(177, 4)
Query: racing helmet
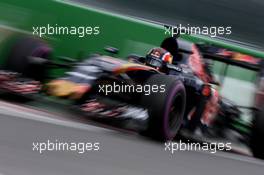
(156, 57)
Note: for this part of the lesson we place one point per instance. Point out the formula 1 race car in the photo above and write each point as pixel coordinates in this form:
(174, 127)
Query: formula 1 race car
(153, 88)
(107, 87)
(171, 87)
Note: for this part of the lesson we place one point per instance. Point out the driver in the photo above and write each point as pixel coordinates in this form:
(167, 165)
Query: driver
(157, 57)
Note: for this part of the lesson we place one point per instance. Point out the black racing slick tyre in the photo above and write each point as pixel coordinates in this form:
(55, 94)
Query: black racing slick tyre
(165, 108)
(19, 57)
(257, 137)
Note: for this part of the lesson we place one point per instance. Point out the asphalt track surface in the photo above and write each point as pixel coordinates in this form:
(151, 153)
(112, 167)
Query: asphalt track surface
(244, 16)
(120, 152)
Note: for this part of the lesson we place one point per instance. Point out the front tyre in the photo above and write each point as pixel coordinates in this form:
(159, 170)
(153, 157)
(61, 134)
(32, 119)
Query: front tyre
(165, 109)
(257, 142)
(19, 61)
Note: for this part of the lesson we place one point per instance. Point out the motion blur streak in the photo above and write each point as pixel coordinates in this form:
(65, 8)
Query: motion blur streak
(245, 16)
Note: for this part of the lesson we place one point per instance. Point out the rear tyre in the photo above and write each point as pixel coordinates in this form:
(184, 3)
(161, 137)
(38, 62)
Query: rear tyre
(257, 138)
(165, 109)
(19, 61)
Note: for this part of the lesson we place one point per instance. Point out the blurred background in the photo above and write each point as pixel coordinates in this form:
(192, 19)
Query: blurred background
(244, 16)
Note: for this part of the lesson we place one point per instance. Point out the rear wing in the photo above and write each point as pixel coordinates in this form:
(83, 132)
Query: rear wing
(231, 57)
(227, 56)
(220, 42)
(227, 51)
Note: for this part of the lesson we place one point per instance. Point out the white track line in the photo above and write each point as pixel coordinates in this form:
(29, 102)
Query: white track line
(31, 114)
